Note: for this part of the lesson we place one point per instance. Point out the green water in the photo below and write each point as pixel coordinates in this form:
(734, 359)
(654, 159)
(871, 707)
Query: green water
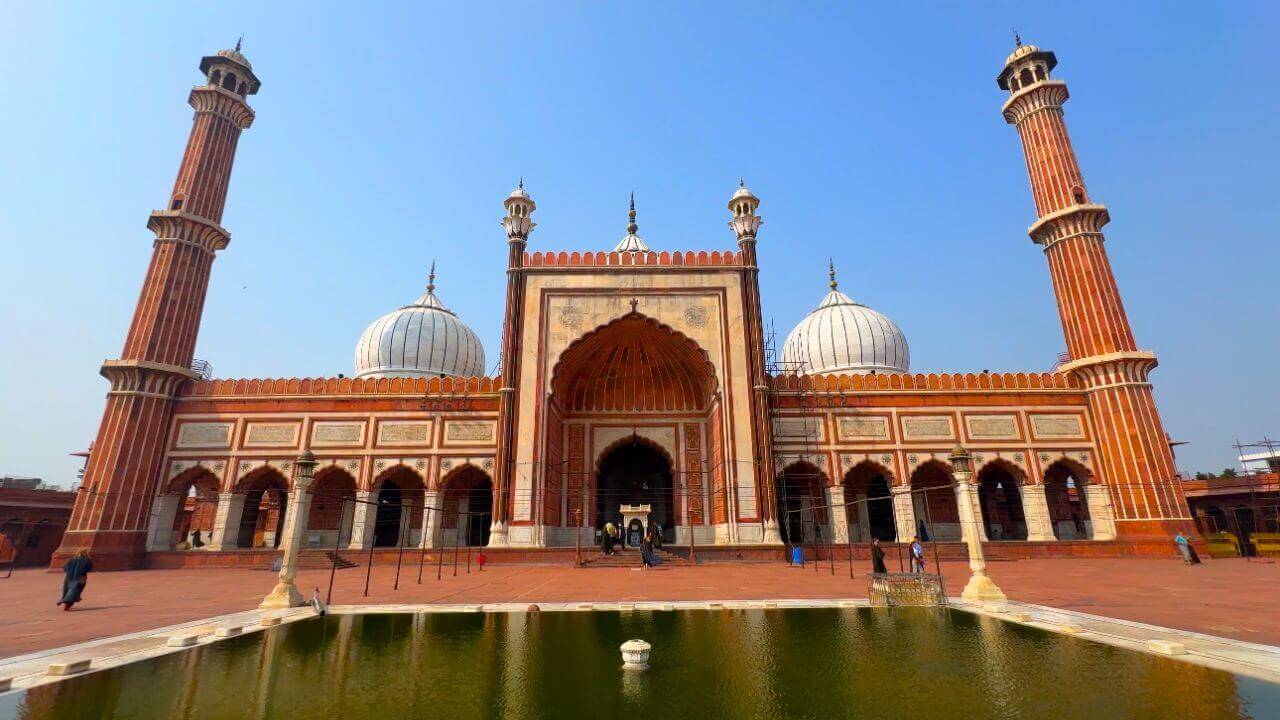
(864, 663)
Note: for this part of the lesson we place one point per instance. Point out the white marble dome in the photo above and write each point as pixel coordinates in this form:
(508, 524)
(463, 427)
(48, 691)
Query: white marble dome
(842, 336)
(422, 339)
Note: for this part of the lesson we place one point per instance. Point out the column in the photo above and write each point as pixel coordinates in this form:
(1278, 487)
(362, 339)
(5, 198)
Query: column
(431, 519)
(226, 521)
(285, 594)
(864, 519)
(980, 586)
(160, 528)
(1101, 520)
(363, 519)
(839, 515)
(969, 495)
(1036, 510)
(904, 513)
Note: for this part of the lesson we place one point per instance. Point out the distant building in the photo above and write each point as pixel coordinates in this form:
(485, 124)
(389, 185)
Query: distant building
(1240, 505)
(32, 520)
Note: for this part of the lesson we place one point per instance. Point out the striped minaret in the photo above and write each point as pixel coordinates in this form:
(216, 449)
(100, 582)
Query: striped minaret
(1135, 458)
(121, 478)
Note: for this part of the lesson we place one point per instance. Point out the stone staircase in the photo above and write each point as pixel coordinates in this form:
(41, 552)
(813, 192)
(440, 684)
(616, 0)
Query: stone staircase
(630, 558)
(313, 559)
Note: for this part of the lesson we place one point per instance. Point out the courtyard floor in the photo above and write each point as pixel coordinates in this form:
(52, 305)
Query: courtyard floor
(1230, 598)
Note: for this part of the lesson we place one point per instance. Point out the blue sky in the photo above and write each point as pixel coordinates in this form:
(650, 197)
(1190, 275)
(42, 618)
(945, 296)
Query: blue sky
(387, 136)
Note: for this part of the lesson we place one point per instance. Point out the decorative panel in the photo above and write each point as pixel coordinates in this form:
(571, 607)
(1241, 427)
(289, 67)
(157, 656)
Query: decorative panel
(992, 427)
(399, 432)
(271, 435)
(798, 429)
(1057, 426)
(873, 427)
(204, 435)
(337, 433)
(469, 432)
(928, 427)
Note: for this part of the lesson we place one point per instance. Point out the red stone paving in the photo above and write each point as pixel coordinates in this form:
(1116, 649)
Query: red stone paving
(1231, 598)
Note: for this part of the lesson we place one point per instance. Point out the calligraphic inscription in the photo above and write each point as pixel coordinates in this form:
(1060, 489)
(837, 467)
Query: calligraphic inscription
(863, 428)
(204, 435)
(798, 428)
(271, 434)
(467, 431)
(337, 433)
(936, 427)
(404, 433)
(992, 427)
(1057, 426)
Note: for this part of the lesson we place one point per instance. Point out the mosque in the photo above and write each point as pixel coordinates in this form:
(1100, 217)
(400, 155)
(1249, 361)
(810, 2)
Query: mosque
(632, 381)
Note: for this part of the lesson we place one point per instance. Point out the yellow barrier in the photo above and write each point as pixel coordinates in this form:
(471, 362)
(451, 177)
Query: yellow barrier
(1222, 545)
(1266, 544)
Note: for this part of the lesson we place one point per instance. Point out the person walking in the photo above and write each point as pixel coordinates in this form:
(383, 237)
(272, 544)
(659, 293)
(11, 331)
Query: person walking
(646, 553)
(1188, 553)
(76, 573)
(877, 558)
(606, 539)
(924, 531)
(917, 556)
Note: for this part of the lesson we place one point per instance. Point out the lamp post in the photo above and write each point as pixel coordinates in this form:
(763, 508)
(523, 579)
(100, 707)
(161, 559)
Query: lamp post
(285, 594)
(980, 586)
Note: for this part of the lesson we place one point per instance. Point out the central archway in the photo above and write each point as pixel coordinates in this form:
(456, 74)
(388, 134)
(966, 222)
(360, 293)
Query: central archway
(636, 473)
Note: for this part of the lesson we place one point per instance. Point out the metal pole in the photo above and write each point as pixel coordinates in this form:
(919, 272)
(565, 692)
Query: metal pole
(457, 518)
(933, 534)
(422, 551)
(849, 539)
(369, 563)
(468, 537)
(400, 542)
(577, 537)
(440, 551)
(337, 543)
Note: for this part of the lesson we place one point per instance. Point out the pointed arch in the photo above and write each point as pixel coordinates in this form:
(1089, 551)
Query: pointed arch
(999, 484)
(633, 364)
(934, 501)
(466, 499)
(1066, 488)
(869, 501)
(800, 491)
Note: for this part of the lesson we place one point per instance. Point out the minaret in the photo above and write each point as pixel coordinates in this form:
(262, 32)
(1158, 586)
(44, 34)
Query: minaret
(1136, 461)
(120, 480)
(518, 225)
(745, 224)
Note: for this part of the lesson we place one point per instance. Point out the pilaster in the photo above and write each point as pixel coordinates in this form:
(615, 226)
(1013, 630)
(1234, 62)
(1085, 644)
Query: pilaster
(1036, 510)
(904, 513)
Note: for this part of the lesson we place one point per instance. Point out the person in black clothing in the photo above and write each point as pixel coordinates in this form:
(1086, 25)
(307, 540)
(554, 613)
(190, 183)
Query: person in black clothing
(877, 557)
(77, 572)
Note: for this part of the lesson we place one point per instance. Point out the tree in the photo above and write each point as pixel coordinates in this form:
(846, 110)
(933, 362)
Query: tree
(1229, 472)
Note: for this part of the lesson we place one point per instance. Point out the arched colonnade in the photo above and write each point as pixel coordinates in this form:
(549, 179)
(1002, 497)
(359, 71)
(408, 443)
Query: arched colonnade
(868, 502)
(193, 513)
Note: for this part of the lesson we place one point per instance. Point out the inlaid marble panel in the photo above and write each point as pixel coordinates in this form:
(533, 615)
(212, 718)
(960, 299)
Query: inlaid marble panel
(204, 435)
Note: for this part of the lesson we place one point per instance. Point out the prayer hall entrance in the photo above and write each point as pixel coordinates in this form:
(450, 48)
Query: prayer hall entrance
(635, 473)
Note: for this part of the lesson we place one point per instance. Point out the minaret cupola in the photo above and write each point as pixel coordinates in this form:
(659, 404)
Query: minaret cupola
(231, 71)
(1025, 66)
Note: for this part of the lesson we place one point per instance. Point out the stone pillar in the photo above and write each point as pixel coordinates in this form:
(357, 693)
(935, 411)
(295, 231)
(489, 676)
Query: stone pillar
(362, 521)
(839, 515)
(980, 587)
(864, 519)
(970, 496)
(160, 526)
(904, 513)
(1103, 523)
(431, 507)
(285, 594)
(1036, 510)
(226, 522)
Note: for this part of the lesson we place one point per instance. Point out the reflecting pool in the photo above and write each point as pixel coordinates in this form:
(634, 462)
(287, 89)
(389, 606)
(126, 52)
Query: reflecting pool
(914, 664)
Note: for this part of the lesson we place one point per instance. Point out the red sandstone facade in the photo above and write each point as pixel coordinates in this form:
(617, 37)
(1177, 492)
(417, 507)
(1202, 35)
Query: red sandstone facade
(649, 357)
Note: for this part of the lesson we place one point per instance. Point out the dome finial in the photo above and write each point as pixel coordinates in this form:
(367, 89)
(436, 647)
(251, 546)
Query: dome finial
(631, 215)
(741, 182)
(521, 185)
(1017, 39)
(831, 272)
(431, 279)
(239, 41)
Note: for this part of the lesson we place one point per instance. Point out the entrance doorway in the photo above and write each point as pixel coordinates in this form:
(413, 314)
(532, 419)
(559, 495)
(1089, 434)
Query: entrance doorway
(636, 473)
(262, 521)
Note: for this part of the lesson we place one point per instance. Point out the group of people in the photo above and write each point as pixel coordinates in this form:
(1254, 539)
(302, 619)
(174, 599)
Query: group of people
(650, 542)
